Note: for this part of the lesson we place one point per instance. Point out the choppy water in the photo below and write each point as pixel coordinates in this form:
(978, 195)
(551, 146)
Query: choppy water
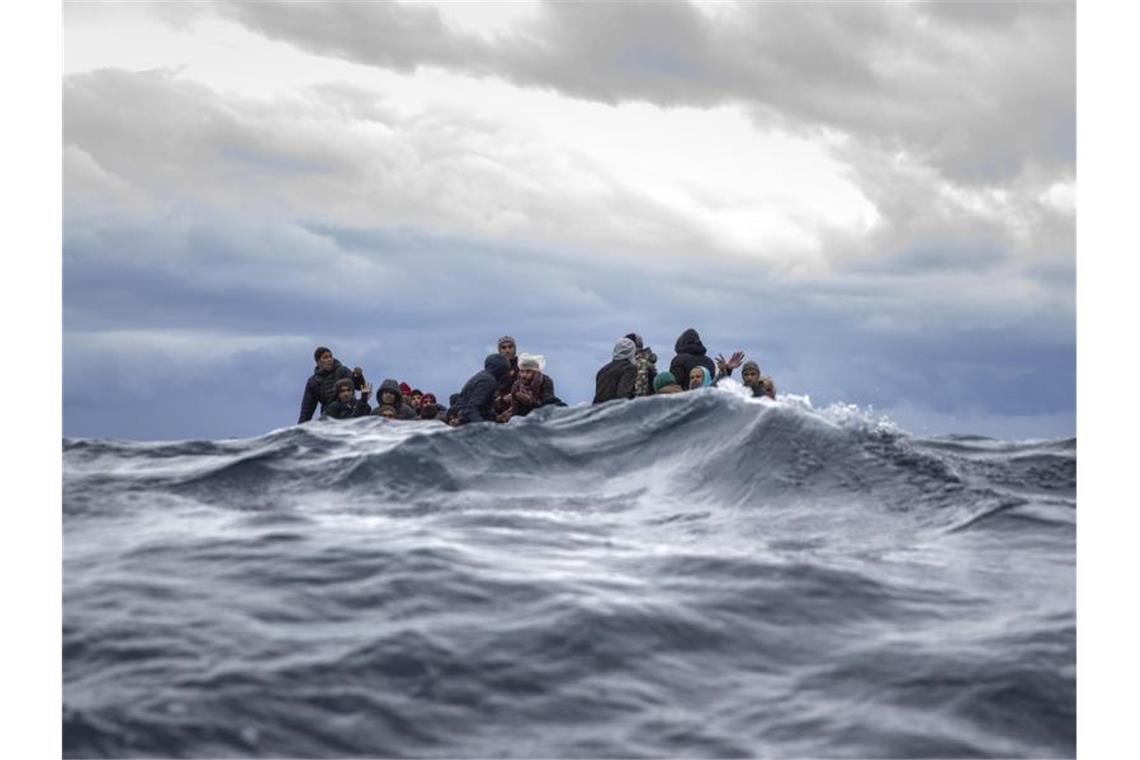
(696, 575)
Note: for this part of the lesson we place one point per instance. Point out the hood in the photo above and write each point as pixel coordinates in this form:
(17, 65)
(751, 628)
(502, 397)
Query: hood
(496, 365)
(335, 367)
(624, 349)
(750, 365)
(690, 343)
(390, 385)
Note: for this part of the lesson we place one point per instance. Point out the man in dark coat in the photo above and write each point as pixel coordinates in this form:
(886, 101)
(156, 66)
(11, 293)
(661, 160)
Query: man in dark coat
(389, 395)
(617, 379)
(477, 399)
(319, 388)
(347, 405)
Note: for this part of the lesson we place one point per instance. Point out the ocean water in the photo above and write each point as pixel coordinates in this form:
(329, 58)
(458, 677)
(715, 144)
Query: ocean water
(701, 575)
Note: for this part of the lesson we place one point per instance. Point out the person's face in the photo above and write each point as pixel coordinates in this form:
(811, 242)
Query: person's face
(507, 349)
(326, 361)
(416, 399)
(345, 395)
(751, 377)
(388, 397)
(696, 378)
(389, 413)
(527, 375)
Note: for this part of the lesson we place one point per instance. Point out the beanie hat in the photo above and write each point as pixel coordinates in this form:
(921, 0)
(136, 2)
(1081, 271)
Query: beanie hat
(637, 341)
(405, 389)
(506, 339)
(320, 350)
(750, 365)
(429, 398)
(417, 392)
(663, 379)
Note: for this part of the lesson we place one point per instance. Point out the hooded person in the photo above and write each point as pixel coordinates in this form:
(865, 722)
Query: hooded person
(665, 383)
(691, 352)
(346, 404)
(700, 377)
(388, 394)
(617, 379)
(319, 388)
(533, 388)
(646, 362)
(752, 379)
(477, 398)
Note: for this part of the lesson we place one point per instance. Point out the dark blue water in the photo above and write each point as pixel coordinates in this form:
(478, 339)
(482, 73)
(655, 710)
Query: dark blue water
(698, 575)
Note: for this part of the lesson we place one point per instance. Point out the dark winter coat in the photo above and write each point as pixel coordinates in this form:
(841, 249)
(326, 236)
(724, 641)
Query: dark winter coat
(477, 398)
(339, 411)
(319, 389)
(506, 384)
(615, 380)
(690, 353)
(404, 410)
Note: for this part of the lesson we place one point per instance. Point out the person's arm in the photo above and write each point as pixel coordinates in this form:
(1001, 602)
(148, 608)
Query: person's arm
(308, 404)
(547, 391)
(361, 409)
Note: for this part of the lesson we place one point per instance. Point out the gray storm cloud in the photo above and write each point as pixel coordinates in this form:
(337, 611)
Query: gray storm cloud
(981, 91)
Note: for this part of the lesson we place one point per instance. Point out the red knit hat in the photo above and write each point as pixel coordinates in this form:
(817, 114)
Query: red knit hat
(405, 389)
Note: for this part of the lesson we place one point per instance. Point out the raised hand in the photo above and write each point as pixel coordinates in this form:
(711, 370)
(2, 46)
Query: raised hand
(366, 391)
(736, 360)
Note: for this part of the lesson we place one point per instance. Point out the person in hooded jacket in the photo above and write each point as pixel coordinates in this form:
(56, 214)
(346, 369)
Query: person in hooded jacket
(320, 387)
(346, 404)
(692, 353)
(477, 398)
(389, 395)
(618, 378)
(532, 390)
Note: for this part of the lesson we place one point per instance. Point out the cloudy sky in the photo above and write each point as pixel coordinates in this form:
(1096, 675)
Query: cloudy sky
(874, 200)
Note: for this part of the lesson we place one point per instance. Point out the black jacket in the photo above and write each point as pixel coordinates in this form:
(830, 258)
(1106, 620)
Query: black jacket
(690, 353)
(338, 411)
(615, 380)
(403, 410)
(477, 399)
(319, 389)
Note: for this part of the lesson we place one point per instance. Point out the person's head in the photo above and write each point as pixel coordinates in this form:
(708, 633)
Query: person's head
(663, 379)
(387, 410)
(507, 347)
(497, 365)
(388, 393)
(428, 411)
(624, 350)
(750, 374)
(699, 377)
(417, 397)
(637, 340)
(429, 398)
(345, 392)
(405, 390)
(529, 368)
(324, 358)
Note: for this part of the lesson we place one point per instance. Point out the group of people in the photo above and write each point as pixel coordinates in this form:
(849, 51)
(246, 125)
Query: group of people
(513, 385)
